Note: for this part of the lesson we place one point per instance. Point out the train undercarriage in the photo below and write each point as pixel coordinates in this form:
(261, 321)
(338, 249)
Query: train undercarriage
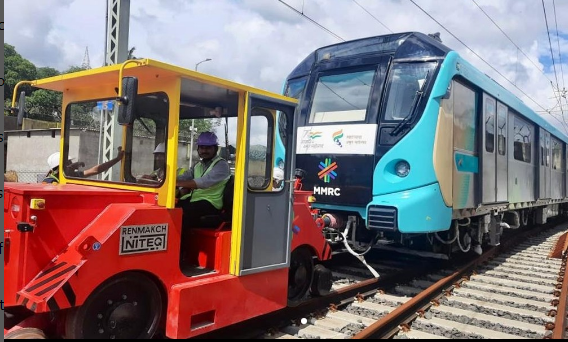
(348, 232)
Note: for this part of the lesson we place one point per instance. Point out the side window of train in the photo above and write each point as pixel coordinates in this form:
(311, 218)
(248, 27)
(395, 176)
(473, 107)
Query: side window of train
(489, 109)
(501, 129)
(522, 140)
(547, 149)
(541, 141)
(260, 149)
(556, 155)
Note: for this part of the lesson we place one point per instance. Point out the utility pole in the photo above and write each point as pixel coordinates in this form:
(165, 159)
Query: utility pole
(116, 51)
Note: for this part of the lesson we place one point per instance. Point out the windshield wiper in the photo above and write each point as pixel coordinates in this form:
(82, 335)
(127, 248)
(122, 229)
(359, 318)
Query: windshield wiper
(417, 97)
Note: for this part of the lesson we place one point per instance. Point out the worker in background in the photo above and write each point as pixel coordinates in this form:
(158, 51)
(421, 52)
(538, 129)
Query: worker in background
(72, 168)
(277, 179)
(159, 174)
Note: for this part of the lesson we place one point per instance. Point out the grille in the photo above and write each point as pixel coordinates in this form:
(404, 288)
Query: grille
(383, 218)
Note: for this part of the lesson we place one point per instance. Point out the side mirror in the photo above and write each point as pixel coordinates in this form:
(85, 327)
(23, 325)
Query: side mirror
(127, 103)
(21, 109)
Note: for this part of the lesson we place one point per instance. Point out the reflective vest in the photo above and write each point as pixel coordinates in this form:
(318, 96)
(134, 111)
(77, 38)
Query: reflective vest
(212, 194)
(52, 178)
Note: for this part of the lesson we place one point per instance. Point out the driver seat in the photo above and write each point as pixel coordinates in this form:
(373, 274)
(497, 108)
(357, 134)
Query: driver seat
(226, 214)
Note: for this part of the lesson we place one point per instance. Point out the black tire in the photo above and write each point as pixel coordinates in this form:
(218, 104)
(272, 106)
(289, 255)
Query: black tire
(126, 306)
(300, 275)
(26, 334)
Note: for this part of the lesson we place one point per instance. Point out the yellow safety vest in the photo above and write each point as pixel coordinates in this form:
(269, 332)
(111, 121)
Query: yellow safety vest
(212, 194)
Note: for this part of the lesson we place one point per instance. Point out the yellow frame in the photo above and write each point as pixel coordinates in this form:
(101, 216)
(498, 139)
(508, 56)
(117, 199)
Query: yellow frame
(154, 76)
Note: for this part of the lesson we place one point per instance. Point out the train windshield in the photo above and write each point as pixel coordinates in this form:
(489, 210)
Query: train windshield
(406, 80)
(295, 88)
(342, 98)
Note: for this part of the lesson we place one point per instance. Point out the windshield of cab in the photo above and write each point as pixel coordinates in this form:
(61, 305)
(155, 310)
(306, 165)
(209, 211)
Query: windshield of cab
(93, 140)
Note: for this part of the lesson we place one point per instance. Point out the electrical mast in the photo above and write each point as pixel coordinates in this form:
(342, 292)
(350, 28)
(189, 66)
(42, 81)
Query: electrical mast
(116, 51)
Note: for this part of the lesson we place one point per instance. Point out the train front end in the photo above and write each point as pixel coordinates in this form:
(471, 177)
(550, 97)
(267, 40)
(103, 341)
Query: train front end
(367, 134)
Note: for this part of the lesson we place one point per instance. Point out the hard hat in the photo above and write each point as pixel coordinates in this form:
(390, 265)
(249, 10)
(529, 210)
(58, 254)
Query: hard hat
(161, 148)
(278, 174)
(207, 139)
(53, 160)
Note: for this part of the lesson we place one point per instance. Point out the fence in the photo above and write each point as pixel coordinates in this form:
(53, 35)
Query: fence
(25, 176)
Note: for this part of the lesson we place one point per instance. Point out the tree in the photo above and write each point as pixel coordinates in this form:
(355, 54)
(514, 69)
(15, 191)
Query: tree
(16, 69)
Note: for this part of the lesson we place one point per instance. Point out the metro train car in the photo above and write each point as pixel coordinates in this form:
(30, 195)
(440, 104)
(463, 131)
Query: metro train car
(408, 146)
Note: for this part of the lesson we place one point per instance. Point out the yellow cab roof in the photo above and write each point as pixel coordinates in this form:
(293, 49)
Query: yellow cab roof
(146, 71)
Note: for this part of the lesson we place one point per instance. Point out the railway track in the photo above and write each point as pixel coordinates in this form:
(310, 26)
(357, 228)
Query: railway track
(507, 293)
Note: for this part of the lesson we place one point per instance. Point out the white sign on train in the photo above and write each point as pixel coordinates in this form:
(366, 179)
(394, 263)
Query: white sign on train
(356, 139)
(143, 239)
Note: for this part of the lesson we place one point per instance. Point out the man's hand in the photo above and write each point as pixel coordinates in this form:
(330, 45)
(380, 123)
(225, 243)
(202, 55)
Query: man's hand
(120, 153)
(190, 184)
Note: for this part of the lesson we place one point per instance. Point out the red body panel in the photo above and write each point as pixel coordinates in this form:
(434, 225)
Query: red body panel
(69, 209)
(304, 228)
(75, 245)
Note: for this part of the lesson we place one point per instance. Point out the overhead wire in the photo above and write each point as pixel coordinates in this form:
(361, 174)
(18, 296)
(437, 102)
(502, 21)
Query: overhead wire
(312, 20)
(552, 56)
(369, 13)
(512, 42)
(476, 54)
(563, 92)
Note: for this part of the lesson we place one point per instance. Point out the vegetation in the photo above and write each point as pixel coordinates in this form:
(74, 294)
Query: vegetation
(45, 105)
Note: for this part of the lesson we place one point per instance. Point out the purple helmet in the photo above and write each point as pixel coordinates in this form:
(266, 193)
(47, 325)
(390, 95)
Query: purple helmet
(207, 139)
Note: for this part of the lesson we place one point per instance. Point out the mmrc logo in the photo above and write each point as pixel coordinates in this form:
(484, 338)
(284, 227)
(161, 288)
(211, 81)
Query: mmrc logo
(336, 136)
(327, 170)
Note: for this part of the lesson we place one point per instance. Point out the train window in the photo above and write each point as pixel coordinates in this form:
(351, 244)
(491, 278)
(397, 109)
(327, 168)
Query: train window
(501, 129)
(547, 148)
(260, 148)
(556, 155)
(295, 88)
(523, 136)
(489, 109)
(341, 98)
(541, 140)
(465, 124)
(405, 82)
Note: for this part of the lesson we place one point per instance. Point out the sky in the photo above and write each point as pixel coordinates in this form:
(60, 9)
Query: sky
(259, 42)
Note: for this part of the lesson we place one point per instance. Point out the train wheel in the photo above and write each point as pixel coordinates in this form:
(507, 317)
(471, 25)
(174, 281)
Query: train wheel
(26, 334)
(299, 276)
(126, 306)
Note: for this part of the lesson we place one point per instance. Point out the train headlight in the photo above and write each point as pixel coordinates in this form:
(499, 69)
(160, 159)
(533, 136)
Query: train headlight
(402, 168)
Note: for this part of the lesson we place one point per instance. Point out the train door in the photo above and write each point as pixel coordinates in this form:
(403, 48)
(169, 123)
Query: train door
(488, 160)
(501, 165)
(265, 235)
(544, 165)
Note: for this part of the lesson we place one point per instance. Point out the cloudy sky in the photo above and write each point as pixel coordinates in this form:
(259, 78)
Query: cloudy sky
(258, 42)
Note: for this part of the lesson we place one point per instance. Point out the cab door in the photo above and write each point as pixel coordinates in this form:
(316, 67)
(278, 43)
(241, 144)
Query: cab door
(265, 230)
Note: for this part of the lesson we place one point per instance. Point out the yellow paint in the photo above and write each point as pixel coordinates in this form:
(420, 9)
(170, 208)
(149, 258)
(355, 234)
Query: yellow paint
(154, 76)
(240, 184)
(37, 203)
(443, 150)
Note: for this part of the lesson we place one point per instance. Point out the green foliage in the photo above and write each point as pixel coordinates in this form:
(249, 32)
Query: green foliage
(16, 69)
(201, 125)
(44, 104)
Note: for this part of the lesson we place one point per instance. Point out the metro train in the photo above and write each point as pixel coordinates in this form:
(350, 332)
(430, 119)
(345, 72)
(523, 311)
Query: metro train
(408, 146)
